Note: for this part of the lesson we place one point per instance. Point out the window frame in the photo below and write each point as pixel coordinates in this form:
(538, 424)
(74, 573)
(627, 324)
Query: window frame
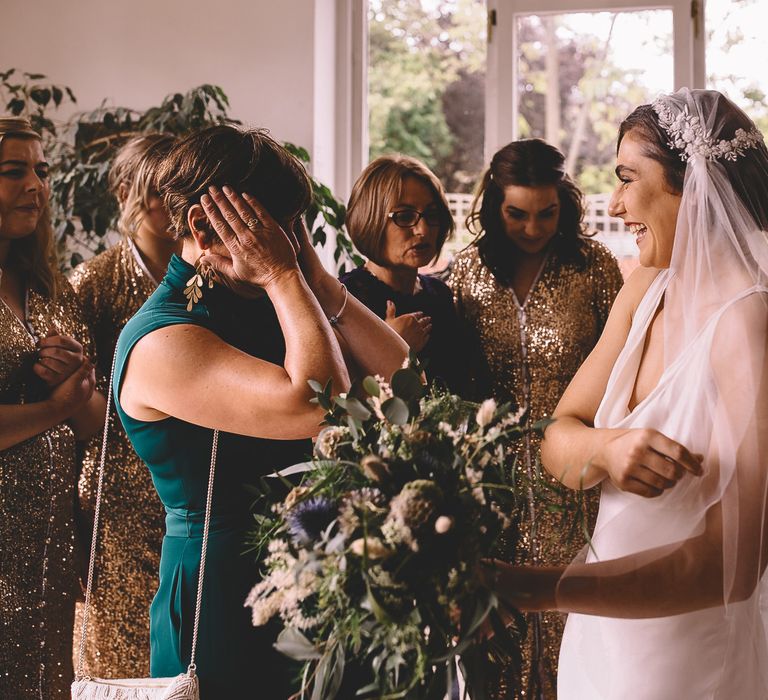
(501, 99)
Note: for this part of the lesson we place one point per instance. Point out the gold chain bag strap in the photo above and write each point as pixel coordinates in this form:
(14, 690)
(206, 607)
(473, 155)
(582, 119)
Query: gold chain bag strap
(185, 686)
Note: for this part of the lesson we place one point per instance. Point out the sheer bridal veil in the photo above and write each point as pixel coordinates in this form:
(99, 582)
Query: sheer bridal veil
(677, 582)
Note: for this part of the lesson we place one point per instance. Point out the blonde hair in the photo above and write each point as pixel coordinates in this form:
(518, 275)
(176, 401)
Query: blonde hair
(377, 190)
(34, 256)
(135, 168)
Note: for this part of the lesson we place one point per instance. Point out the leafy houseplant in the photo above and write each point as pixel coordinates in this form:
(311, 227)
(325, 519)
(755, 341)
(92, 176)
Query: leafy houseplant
(80, 153)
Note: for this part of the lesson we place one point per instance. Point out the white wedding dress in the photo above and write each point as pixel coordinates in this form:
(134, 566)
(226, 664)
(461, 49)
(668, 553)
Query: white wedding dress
(711, 398)
(687, 656)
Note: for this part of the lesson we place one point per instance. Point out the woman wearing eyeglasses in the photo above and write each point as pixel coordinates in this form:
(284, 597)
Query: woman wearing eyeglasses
(534, 295)
(398, 218)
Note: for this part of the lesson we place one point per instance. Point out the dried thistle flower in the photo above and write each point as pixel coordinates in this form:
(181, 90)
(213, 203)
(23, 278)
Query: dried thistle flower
(373, 546)
(328, 441)
(375, 468)
(307, 520)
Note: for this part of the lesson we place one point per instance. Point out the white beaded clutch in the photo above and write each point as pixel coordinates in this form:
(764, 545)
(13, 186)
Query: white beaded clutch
(182, 687)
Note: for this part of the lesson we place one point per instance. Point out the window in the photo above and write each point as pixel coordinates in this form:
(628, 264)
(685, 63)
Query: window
(433, 94)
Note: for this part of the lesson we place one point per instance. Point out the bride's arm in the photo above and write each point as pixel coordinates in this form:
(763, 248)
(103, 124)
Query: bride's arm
(725, 562)
(581, 456)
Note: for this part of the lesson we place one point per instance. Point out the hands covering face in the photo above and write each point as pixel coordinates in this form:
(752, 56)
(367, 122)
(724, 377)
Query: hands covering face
(260, 248)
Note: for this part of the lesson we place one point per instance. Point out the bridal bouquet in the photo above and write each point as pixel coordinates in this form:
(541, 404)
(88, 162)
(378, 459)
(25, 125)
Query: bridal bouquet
(371, 561)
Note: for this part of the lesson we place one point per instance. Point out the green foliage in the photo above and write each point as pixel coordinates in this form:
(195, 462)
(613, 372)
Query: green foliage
(26, 95)
(424, 68)
(81, 161)
(372, 560)
(326, 211)
(81, 152)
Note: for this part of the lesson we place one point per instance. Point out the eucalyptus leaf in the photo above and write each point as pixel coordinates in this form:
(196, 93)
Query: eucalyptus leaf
(542, 424)
(406, 384)
(294, 644)
(376, 608)
(371, 386)
(395, 410)
(321, 677)
(354, 407)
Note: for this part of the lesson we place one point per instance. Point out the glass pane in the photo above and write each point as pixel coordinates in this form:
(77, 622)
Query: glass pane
(737, 50)
(426, 92)
(426, 84)
(580, 74)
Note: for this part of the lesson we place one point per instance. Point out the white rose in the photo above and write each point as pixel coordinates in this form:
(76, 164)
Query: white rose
(443, 524)
(486, 412)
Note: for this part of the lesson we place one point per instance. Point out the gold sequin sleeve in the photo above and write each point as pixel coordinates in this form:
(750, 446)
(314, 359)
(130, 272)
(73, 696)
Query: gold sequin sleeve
(606, 281)
(459, 283)
(38, 578)
(112, 287)
(527, 352)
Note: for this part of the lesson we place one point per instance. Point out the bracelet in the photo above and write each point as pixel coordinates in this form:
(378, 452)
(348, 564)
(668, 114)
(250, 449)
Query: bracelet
(334, 320)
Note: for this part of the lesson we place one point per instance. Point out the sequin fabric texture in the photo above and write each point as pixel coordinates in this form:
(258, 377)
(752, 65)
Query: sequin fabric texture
(112, 287)
(527, 352)
(38, 578)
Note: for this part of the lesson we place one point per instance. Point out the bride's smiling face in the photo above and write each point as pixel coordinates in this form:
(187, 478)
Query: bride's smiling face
(645, 202)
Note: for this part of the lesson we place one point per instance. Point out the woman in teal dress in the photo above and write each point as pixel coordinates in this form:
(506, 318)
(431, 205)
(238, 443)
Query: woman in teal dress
(236, 359)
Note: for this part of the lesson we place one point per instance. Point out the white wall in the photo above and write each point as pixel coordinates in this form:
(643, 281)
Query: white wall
(267, 55)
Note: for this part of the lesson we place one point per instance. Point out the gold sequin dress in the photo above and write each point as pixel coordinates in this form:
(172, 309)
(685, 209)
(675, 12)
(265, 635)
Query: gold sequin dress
(112, 287)
(38, 576)
(528, 353)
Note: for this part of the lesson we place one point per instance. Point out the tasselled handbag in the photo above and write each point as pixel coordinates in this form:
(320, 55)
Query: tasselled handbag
(185, 686)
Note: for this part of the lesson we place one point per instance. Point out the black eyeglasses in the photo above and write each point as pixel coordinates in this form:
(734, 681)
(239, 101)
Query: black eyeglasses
(408, 218)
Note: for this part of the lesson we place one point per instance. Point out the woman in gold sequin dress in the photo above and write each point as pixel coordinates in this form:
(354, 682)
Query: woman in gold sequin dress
(47, 401)
(533, 295)
(112, 287)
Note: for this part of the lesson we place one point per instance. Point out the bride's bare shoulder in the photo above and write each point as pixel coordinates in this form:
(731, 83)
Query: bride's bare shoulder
(634, 289)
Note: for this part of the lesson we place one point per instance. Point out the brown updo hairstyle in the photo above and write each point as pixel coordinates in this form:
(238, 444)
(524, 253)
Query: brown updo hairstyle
(377, 191)
(248, 160)
(525, 163)
(133, 177)
(34, 256)
(748, 174)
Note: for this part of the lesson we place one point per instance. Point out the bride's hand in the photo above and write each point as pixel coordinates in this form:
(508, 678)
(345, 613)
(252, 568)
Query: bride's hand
(261, 250)
(645, 462)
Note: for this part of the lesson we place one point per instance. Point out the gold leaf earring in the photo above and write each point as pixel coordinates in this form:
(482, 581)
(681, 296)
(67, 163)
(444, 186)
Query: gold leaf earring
(194, 289)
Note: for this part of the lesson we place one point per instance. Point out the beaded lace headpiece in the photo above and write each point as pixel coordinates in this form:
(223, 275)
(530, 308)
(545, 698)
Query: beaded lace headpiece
(687, 135)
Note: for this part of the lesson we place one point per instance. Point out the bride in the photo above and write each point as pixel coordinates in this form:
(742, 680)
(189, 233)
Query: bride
(670, 414)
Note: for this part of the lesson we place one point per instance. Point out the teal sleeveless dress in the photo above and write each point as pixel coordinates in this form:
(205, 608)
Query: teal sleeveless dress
(234, 659)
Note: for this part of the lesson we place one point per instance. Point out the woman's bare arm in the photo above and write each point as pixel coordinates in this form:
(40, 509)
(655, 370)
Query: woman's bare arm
(726, 555)
(89, 419)
(188, 372)
(372, 346)
(580, 456)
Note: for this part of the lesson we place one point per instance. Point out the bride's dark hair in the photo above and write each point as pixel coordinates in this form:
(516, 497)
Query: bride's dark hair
(246, 160)
(748, 173)
(525, 163)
